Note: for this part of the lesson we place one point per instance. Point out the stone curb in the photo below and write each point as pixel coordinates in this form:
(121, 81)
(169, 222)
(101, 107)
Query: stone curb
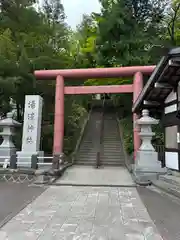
(49, 176)
(94, 185)
(126, 156)
(17, 171)
(163, 186)
(139, 183)
(55, 177)
(50, 172)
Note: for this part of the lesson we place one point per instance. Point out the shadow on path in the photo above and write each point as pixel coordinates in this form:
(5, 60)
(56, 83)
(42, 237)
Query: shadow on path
(14, 197)
(164, 211)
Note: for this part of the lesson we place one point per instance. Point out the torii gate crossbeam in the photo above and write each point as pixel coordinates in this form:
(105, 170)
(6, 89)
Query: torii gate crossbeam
(100, 89)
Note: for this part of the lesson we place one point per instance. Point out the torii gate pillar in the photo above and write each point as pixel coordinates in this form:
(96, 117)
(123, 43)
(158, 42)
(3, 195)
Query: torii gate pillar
(59, 116)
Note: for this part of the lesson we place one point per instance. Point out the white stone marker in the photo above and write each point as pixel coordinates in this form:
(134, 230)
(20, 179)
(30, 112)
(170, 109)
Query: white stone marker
(31, 130)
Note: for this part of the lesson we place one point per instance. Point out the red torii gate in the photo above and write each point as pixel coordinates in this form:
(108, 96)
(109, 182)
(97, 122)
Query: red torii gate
(137, 72)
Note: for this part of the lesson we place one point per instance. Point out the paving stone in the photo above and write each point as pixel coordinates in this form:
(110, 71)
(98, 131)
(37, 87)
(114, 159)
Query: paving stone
(133, 236)
(13, 226)
(99, 232)
(87, 213)
(19, 235)
(3, 235)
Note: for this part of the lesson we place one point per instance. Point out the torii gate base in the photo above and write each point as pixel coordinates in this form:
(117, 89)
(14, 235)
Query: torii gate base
(60, 75)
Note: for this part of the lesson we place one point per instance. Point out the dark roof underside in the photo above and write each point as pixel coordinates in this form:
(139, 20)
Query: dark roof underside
(163, 80)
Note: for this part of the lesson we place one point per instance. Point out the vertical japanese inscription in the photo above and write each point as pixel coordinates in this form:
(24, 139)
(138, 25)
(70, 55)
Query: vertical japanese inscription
(31, 118)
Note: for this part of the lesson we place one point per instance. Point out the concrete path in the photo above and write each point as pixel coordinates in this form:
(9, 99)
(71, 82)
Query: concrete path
(107, 176)
(83, 213)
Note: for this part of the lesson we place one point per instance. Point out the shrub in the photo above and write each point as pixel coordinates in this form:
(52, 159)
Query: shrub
(127, 132)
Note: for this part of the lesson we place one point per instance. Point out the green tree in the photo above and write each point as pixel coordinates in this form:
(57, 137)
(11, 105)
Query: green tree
(29, 40)
(84, 42)
(127, 30)
(172, 22)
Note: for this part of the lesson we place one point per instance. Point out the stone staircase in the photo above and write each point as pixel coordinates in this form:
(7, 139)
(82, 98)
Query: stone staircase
(88, 148)
(112, 152)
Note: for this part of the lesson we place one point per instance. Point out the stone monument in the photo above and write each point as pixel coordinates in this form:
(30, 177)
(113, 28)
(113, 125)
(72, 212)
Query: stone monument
(147, 167)
(7, 148)
(31, 130)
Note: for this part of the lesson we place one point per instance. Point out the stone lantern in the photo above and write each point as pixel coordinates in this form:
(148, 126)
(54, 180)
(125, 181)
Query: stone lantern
(147, 167)
(7, 147)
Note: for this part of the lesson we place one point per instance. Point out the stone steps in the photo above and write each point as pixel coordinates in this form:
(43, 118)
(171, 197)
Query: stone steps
(111, 164)
(111, 152)
(112, 144)
(115, 151)
(83, 163)
(87, 152)
(114, 147)
(112, 160)
(87, 156)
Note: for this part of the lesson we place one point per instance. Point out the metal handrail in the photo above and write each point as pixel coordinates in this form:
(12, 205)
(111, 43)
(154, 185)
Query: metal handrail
(102, 122)
(99, 150)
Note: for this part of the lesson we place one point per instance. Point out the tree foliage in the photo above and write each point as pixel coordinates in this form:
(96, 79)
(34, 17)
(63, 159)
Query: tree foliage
(124, 33)
(172, 22)
(33, 39)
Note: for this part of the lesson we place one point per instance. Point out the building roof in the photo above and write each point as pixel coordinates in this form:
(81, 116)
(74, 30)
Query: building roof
(162, 81)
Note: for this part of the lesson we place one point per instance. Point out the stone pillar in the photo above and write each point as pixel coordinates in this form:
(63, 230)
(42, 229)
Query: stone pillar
(7, 147)
(147, 167)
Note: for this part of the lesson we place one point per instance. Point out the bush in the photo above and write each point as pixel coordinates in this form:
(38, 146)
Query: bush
(158, 139)
(73, 127)
(47, 138)
(127, 132)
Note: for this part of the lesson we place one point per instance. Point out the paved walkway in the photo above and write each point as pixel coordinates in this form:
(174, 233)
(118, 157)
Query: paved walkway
(83, 213)
(107, 176)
